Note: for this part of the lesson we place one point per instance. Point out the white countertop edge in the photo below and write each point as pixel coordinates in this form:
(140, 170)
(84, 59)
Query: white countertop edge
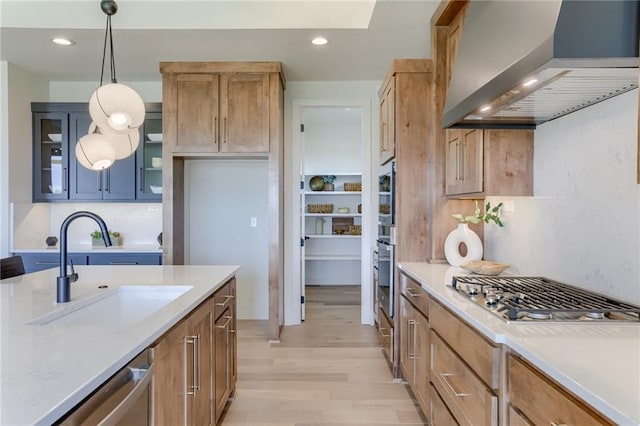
(493, 322)
(73, 399)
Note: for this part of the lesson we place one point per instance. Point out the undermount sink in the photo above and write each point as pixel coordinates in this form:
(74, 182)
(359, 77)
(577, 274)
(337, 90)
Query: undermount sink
(121, 306)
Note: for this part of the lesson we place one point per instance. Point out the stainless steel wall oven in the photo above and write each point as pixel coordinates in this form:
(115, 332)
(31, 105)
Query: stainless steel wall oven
(384, 255)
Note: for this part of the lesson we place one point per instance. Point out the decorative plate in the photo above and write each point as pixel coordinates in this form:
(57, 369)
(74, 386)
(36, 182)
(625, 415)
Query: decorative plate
(484, 267)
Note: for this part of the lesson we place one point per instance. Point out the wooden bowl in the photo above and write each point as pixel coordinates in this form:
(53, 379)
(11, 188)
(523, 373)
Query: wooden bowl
(484, 267)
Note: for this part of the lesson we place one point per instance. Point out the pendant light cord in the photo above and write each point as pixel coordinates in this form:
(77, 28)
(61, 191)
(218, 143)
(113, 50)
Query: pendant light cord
(108, 36)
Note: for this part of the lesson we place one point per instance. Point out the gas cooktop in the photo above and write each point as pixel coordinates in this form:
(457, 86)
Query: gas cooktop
(529, 299)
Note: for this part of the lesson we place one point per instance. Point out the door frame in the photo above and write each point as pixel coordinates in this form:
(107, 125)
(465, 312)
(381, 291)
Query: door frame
(293, 293)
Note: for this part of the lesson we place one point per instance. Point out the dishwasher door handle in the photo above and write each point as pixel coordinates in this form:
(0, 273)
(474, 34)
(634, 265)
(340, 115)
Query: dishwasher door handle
(143, 376)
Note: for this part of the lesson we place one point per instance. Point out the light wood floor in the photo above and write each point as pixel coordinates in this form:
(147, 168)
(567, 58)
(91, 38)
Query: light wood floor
(328, 371)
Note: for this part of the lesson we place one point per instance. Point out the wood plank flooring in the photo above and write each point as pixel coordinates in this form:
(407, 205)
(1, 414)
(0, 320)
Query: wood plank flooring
(328, 371)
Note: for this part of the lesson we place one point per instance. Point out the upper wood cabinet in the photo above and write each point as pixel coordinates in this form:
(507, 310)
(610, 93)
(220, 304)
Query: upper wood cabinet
(387, 122)
(489, 162)
(218, 107)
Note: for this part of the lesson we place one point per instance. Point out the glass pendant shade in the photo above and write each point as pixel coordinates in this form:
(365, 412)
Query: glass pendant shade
(123, 145)
(95, 152)
(116, 109)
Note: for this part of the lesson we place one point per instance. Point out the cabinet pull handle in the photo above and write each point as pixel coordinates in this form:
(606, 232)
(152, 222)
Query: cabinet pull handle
(410, 338)
(445, 378)
(226, 324)
(47, 263)
(557, 424)
(123, 263)
(226, 300)
(65, 176)
(412, 294)
(192, 389)
(215, 130)
(463, 161)
(107, 179)
(141, 178)
(225, 131)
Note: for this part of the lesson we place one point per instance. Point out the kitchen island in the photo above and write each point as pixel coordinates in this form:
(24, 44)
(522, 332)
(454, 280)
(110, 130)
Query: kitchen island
(596, 362)
(49, 362)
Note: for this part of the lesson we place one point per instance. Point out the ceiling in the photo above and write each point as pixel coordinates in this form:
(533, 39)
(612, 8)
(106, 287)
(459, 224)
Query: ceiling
(365, 36)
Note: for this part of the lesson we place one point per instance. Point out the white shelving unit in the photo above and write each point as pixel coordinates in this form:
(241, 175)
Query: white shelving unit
(330, 257)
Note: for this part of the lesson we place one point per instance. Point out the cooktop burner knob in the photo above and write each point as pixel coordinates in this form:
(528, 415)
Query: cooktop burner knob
(472, 290)
(491, 299)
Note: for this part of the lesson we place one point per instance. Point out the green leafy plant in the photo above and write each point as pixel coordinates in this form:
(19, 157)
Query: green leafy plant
(328, 178)
(98, 234)
(490, 214)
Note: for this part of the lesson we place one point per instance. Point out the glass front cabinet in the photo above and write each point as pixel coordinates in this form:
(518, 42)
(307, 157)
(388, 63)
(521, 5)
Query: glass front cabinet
(58, 176)
(50, 156)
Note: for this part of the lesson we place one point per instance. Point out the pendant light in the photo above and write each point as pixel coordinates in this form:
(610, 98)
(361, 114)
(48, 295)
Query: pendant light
(116, 110)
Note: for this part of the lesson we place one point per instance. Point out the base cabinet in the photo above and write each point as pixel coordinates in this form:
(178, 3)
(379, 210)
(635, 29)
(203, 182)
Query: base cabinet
(536, 399)
(415, 351)
(224, 347)
(385, 335)
(191, 360)
(464, 368)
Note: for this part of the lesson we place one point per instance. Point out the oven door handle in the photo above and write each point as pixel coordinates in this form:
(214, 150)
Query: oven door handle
(143, 377)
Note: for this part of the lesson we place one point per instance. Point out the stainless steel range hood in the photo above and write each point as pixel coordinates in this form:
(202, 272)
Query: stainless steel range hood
(521, 63)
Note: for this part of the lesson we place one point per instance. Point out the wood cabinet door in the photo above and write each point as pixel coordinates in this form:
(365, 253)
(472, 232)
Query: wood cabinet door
(169, 380)
(199, 375)
(244, 113)
(422, 362)
(407, 339)
(387, 122)
(464, 161)
(222, 365)
(192, 111)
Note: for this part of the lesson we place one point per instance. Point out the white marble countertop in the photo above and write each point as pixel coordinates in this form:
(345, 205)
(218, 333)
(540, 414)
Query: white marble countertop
(88, 248)
(45, 370)
(600, 363)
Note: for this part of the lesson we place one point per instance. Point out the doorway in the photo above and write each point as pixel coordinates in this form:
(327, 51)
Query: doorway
(331, 142)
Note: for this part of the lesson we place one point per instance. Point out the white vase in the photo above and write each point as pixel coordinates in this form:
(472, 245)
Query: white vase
(462, 234)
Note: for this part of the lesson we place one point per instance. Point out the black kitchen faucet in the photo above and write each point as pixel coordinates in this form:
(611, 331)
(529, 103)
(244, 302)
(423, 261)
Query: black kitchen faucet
(64, 281)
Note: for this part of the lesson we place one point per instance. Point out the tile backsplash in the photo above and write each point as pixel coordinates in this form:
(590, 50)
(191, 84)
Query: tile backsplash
(139, 223)
(582, 225)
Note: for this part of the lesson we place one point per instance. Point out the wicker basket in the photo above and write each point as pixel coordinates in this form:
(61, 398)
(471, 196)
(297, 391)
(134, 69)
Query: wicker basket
(353, 186)
(385, 208)
(355, 229)
(320, 208)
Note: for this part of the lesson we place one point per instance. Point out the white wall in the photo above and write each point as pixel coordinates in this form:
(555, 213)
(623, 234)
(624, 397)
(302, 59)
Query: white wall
(80, 91)
(221, 197)
(19, 88)
(582, 225)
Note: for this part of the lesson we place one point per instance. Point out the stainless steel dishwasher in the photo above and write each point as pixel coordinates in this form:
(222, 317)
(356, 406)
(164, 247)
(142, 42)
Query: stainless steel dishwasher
(124, 400)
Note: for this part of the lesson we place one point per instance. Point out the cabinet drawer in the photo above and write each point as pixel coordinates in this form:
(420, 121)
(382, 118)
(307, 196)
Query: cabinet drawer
(517, 419)
(125, 259)
(34, 262)
(544, 402)
(385, 333)
(440, 415)
(222, 299)
(480, 354)
(468, 398)
(415, 294)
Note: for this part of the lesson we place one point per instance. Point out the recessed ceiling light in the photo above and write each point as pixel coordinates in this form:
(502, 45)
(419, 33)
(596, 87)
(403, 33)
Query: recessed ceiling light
(319, 41)
(485, 108)
(530, 82)
(63, 41)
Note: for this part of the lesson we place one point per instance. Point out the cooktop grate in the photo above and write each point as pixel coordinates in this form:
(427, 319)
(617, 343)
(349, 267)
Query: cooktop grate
(539, 298)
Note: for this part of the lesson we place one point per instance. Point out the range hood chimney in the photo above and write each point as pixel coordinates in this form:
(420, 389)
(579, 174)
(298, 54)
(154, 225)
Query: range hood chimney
(521, 63)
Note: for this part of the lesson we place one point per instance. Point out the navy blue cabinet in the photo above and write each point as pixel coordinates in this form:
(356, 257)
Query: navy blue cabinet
(37, 261)
(114, 184)
(57, 175)
(34, 262)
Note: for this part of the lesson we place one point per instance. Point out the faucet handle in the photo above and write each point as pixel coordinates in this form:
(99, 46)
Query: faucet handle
(74, 276)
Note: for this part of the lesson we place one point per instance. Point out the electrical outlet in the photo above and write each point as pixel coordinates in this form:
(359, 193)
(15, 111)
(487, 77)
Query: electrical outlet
(254, 222)
(507, 206)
